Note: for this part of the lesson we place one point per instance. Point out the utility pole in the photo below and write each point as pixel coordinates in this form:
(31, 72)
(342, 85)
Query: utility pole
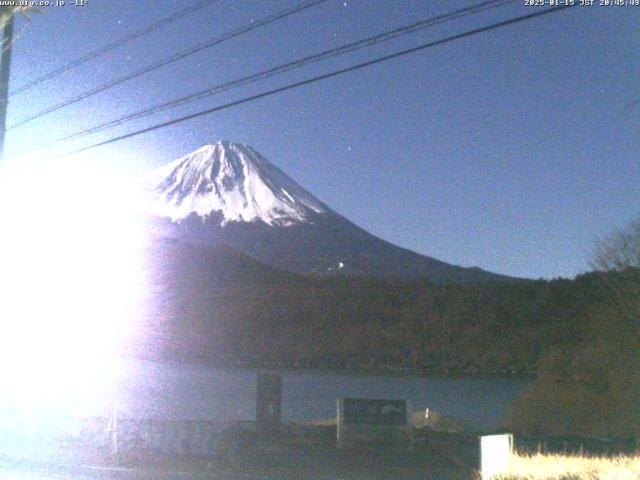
(5, 65)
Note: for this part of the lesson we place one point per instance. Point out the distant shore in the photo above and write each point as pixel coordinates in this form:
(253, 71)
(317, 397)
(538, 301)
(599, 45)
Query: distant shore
(393, 371)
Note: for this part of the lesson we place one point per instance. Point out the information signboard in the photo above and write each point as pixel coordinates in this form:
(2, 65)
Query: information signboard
(360, 411)
(366, 422)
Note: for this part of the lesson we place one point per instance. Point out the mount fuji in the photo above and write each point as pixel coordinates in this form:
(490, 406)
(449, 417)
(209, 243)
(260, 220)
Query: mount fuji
(228, 194)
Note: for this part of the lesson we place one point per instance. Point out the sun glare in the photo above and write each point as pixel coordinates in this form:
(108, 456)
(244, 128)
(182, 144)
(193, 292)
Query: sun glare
(70, 277)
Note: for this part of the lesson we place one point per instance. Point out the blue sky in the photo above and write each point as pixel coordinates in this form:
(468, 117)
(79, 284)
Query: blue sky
(510, 150)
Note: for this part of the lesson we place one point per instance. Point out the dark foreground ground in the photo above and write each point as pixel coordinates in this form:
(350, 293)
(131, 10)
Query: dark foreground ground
(442, 456)
(301, 453)
(355, 467)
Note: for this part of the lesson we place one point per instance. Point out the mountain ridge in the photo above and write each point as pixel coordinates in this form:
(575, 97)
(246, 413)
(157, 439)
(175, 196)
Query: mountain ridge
(227, 193)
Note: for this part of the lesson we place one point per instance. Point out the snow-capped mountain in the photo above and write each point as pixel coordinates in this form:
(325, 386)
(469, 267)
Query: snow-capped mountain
(231, 180)
(228, 194)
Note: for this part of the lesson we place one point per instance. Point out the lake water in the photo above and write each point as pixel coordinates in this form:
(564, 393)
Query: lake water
(143, 389)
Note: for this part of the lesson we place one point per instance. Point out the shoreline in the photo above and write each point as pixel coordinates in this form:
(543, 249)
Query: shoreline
(389, 371)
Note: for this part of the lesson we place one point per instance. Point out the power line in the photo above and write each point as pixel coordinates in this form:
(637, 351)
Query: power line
(326, 76)
(343, 49)
(111, 46)
(264, 74)
(173, 58)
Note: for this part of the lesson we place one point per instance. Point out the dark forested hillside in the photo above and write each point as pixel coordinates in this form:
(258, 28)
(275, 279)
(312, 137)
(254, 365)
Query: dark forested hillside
(220, 306)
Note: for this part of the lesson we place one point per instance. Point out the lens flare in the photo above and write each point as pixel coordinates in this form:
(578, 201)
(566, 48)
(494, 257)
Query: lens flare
(70, 278)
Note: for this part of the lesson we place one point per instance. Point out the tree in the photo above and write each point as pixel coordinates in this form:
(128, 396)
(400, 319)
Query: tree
(620, 253)
(620, 250)
(592, 386)
(7, 12)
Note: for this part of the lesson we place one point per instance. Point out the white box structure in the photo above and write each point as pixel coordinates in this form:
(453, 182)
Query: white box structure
(495, 454)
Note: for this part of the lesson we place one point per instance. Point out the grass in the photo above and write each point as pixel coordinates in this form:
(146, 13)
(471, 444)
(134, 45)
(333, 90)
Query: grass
(572, 467)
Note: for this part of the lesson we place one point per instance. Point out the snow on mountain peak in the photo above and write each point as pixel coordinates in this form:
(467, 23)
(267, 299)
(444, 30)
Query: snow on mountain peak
(233, 180)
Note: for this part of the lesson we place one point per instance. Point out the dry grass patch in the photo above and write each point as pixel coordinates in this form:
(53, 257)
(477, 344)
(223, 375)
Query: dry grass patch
(572, 467)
